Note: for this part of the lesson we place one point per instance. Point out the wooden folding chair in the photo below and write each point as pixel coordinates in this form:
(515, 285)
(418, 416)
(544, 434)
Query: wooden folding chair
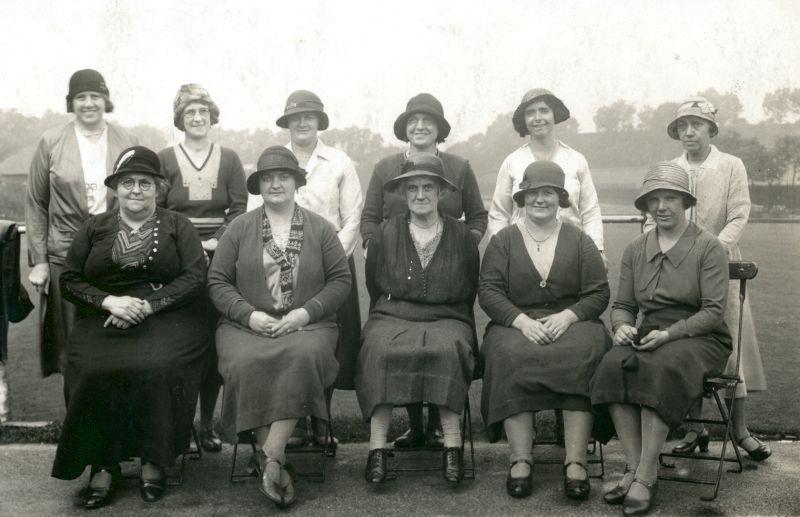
(712, 386)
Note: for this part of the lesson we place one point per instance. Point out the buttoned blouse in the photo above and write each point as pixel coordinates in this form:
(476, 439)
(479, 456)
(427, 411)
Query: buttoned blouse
(584, 208)
(691, 276)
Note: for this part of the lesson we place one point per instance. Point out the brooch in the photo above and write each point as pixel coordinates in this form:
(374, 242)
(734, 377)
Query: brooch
(542, 284)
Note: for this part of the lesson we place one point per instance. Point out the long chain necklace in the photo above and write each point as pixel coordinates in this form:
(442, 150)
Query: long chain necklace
(539, 242)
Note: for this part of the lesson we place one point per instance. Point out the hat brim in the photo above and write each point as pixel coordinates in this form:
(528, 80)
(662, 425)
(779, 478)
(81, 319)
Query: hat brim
(400, 124)
(136, 169)
(255, 178)
(393, 184)
(283, 121)
(641, 201)
(672, 128)
(563, 195)
(560, 112)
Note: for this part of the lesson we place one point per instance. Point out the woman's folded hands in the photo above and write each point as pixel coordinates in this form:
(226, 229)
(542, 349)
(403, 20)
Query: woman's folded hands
(263, 323)
(125, 311)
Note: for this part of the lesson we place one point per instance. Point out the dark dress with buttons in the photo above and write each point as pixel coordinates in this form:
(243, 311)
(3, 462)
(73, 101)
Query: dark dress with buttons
(418, 344)
(132, 392)
(519, 375)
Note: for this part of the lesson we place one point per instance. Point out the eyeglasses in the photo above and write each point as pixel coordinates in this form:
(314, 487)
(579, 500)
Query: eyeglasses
(203, 112)
(144, 185)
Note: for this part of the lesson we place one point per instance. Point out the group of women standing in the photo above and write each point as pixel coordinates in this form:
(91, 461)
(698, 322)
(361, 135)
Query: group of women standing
(138, 338)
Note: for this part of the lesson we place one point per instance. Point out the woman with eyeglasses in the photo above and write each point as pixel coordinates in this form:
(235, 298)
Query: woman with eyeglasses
(136, 276)
(206, 184)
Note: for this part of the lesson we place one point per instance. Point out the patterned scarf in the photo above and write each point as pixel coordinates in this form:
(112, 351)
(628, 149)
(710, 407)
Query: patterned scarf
(286, 259)
(132, 247)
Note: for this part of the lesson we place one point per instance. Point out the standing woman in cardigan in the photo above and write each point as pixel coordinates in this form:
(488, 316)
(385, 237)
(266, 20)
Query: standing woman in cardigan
(423, 126)
(277, 278)
(419, 342)
(719, 182)
(536, 117)
(65, 187)
(206, 184)
(544, 286)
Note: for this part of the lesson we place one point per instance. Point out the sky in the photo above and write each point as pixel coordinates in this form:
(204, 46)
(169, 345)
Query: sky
(365, 59)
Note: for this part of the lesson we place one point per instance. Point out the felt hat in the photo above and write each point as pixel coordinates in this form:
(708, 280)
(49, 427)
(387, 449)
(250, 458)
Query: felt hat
(303, 101)
(560, 111)
(137, 159)
(187, 94)
(422, 164)
(422, 103)
(275, 158)
(694, 107)
(88, 80)
(542, 174)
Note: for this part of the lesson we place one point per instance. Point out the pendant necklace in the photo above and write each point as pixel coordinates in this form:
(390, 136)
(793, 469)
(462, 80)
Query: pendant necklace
(539, 243)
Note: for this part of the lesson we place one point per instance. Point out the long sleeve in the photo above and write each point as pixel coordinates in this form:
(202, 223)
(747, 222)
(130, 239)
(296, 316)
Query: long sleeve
(589, 207)
(738, 206)
(351, 202)
(502, 207)
(493, 286)
(74, 285)
(337, 277)
(594, 290)
(191, 279)
(222, 279)
(237, 193)
(713, 278)
(625, 309)
(475, 215)
(371, 267)
(37, 202)
(372, 214)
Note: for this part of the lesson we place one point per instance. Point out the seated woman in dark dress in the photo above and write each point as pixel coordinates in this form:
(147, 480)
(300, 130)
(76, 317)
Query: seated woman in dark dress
(419, 342)
(278, 275)
(677, 276)
(544, 286)
(137, 276)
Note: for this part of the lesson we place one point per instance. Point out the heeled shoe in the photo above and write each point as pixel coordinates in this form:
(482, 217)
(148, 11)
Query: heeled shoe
(617, 494)
(377, 465)
(688, 446)
(285, 494)
(152, 490)
(760, 453)
(577, 489)
(210, 440)
(412, 438)
(633, 506)
(519, 487)
(452, 465)
(99, 497)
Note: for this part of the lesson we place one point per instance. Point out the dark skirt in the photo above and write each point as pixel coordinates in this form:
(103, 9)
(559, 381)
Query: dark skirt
(269, 379)
(520, 376)
(131, 393)
(403, 362)
(56, 326)
(668, 379)
(349, 319)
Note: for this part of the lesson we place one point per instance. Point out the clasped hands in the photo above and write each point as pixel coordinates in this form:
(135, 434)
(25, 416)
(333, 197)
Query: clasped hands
(292, 321)
(627, 335)
(545, 330)
(126, 311)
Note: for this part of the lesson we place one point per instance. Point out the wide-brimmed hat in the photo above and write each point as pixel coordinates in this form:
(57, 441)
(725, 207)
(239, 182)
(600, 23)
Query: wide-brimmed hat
(137, 159)
(88, 80)
(276, 158)
(694, 107)
(422, 164)
(666, 176)
(303, 101)
(422, 103)
(187, 94)
(560, 111)
(542, 174)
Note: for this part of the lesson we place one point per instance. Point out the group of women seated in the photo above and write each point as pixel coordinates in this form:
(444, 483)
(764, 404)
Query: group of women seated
(138, 275)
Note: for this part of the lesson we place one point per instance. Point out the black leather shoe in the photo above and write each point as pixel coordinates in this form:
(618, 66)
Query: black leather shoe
(577, 489)
(453, 465)
(519, 487)
(617, 494)
(760, 453)
(377, 465)
(687, 446)
(152, 490)
(209, 440)
(99, 497)
(412, 438)
(631, 506)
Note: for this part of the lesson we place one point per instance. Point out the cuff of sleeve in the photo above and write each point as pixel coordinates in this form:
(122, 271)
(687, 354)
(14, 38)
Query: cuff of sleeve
(242, 314)
(621, 317)
(512, 315)
(580, 314)
(678, 330)
(315, 310)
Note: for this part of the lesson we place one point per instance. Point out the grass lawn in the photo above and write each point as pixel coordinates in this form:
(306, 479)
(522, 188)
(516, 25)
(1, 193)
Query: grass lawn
(774, 293)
